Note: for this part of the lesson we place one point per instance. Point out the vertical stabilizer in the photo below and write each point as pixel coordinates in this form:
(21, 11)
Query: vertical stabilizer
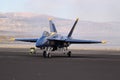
(71, 31)
(52, 26)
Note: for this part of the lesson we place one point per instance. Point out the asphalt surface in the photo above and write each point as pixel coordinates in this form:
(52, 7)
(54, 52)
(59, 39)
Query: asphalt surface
(16, 64)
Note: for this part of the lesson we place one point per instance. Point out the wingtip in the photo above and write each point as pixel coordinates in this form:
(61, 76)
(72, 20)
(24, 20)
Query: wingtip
(104, 41)
(12, 39)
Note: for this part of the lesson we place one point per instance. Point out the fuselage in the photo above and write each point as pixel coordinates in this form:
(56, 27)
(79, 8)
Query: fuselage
(44, 40)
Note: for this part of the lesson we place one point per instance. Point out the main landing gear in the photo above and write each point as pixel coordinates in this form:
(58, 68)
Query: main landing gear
(69, 53)
(47, 53)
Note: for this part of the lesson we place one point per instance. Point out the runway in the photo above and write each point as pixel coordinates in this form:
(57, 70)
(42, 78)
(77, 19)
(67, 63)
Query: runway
(16, 64)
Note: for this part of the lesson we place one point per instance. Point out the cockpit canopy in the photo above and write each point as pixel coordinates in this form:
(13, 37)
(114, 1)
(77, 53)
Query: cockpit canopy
(45, 33)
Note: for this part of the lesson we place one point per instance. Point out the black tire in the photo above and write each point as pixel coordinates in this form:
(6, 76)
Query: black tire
(69, 54)
(49, 55)
(44, 54)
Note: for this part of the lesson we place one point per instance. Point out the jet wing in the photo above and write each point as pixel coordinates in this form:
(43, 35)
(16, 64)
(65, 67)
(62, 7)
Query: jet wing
(26, 40)
(76, 41)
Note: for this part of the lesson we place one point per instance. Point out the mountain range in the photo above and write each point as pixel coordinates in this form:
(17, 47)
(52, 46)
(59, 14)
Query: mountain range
(29, 23)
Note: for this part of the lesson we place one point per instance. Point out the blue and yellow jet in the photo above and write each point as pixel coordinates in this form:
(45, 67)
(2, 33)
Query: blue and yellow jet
(53, 41)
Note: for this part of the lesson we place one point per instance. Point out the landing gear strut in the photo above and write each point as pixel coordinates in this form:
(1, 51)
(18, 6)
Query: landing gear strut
(47, 54)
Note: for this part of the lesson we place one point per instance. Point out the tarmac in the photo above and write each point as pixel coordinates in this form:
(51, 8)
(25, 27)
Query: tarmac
(17, 64)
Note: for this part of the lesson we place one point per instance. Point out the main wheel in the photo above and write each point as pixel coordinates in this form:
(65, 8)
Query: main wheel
(69, 54)
(49, 55)
(44, 54)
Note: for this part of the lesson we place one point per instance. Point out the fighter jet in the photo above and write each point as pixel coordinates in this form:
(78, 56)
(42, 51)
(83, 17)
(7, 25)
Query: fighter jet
(52, 41)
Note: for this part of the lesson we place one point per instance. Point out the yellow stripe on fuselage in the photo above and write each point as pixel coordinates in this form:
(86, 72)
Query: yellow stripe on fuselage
(52, 33)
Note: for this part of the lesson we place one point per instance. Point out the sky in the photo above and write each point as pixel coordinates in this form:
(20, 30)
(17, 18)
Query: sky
(89, 10)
